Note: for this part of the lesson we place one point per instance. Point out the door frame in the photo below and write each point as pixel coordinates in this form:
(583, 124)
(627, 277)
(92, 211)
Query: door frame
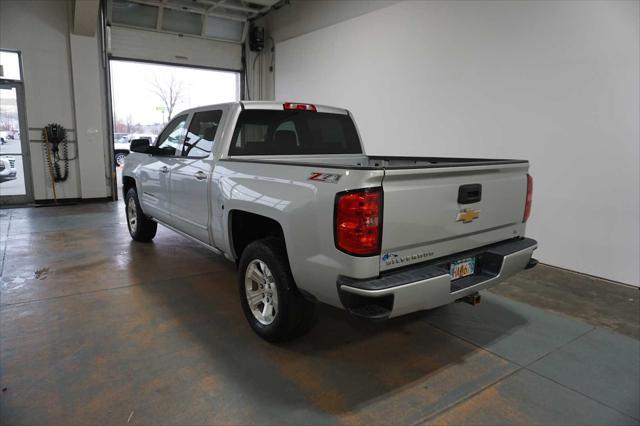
(110, 105)
(18, 85)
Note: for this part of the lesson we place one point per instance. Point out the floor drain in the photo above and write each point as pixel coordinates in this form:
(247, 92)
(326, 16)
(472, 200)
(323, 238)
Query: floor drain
(41, 274)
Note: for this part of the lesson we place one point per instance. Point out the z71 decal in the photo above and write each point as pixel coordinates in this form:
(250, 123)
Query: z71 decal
(324, 177)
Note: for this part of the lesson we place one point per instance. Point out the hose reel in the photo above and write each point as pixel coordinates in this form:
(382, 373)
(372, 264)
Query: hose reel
(53, 136)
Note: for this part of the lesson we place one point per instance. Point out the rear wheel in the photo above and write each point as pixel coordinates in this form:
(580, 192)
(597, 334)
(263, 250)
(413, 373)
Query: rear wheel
(141, 228)
(270, 300)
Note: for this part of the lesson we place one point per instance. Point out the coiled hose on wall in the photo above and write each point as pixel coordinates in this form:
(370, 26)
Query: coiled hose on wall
(53, 135)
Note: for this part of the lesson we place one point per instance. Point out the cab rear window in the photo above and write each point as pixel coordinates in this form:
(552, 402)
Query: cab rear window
(268, 132)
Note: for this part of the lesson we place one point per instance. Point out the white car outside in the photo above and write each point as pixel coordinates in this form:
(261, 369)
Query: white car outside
(8, 170)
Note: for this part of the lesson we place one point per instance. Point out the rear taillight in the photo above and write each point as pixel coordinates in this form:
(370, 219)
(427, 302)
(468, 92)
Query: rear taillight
(299, 107)
(527, 204)
(358, 221)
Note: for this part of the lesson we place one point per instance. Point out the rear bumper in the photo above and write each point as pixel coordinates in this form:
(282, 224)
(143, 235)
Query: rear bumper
(428, 285)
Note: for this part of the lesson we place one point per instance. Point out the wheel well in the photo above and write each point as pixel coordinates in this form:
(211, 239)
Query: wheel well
(120, 151)
(248, 227)
(127, 183)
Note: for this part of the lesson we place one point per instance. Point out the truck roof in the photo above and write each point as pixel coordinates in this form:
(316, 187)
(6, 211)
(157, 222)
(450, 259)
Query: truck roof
(272, 105)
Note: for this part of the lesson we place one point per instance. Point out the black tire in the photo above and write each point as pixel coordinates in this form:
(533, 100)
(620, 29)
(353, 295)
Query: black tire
(119, 157)
(143, 229)
(295, 314)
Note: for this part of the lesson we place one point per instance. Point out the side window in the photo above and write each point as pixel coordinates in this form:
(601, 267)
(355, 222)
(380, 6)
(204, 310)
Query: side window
(201, 135)
(172, 136)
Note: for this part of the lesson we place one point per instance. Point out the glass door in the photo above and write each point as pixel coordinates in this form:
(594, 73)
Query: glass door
(15, 176)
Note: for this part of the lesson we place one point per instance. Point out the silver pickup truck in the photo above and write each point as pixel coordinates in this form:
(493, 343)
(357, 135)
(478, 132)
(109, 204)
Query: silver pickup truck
(287, 192)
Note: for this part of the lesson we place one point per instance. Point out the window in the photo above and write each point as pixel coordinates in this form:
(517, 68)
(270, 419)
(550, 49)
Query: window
(202, 132)
(10, 65)
(140, 92)
(289, 126)
(268, 132)
(182, 22)
(250, 135)
(229, 20)
(132, 14)
(172, 136)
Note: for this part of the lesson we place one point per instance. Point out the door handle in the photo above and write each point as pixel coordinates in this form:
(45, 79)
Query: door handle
(164, 169)
(471, 193)
(200, 175)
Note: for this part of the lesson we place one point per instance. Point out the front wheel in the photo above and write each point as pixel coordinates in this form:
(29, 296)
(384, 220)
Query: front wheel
(141, 228)
(274, 308)
(119, 158)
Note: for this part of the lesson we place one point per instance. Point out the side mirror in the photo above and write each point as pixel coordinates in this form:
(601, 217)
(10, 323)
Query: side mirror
(139, 145)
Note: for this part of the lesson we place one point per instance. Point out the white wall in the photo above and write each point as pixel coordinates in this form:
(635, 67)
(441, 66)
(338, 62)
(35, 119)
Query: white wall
(40, 30)
(91, 128)
(303, 16)
(553, 82)
(295, 18)
(63, 80)
(47, 79)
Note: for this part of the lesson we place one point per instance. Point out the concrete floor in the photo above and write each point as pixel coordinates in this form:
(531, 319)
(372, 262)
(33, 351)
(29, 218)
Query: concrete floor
(95, 328)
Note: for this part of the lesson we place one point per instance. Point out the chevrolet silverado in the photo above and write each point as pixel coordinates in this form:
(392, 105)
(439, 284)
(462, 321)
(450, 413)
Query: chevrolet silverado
(286, 191)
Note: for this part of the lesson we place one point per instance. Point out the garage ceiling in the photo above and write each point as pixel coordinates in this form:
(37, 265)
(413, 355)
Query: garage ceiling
(216, 19)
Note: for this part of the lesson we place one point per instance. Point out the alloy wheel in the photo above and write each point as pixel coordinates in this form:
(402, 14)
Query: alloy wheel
(132, 214)
(260, 291)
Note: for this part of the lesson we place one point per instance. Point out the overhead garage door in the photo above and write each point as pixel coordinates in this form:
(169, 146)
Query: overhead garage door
(171, 48)
(206, 33)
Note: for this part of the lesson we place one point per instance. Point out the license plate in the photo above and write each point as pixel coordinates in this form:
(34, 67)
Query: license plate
(462, 268)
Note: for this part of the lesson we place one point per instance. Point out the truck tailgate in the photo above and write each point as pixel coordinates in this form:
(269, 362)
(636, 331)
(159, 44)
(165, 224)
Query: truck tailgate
(427, 215)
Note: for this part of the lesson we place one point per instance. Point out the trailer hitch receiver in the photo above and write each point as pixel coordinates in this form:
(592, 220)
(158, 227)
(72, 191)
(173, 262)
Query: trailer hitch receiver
(472, 299)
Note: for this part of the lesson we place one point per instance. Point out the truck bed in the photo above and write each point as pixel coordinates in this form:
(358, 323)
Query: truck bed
(364, 162)
(424, 215)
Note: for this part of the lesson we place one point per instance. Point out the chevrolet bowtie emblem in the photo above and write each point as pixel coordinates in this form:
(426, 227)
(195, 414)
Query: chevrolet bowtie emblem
(467, 215)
